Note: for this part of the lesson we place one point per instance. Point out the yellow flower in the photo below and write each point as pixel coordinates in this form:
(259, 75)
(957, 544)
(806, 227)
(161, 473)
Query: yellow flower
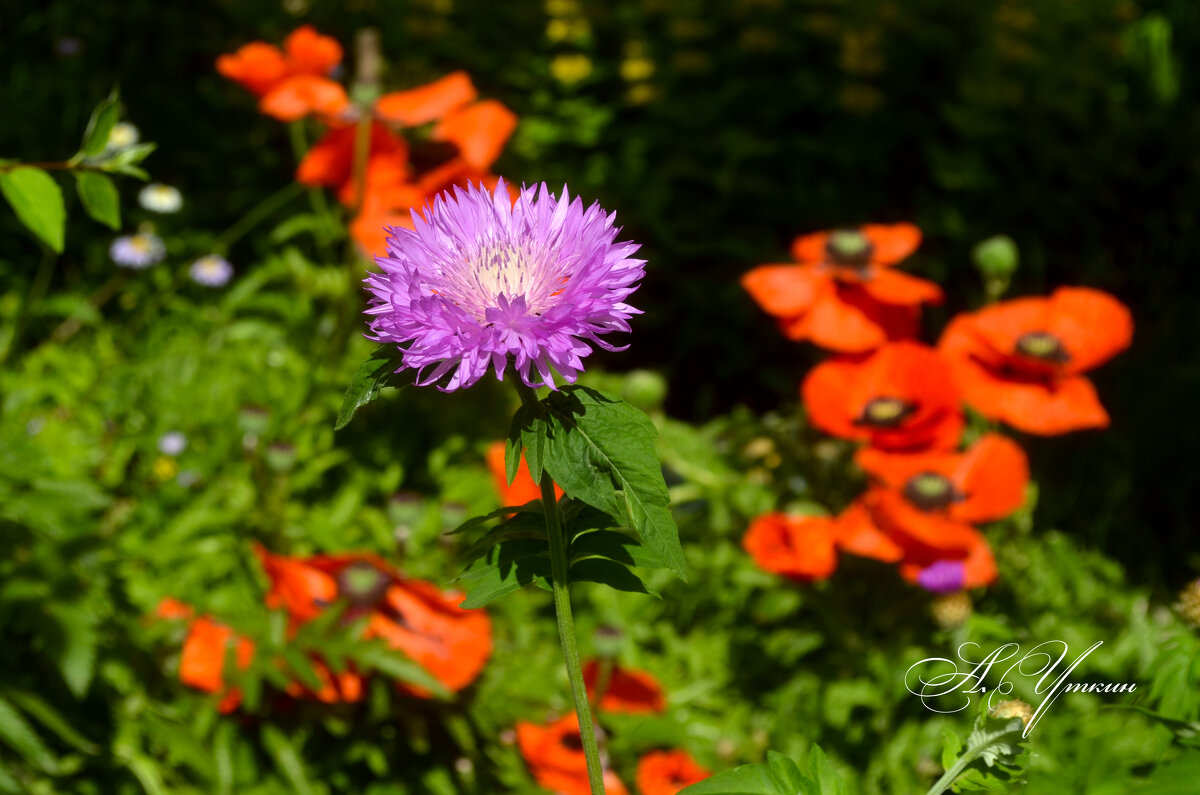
(570, 67)
(165, 468)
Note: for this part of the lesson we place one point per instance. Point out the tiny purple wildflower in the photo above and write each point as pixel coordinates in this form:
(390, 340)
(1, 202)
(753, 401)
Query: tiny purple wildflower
(481, 278)
(137, 251)
(942, 577)
(172, 443)
(211, 270)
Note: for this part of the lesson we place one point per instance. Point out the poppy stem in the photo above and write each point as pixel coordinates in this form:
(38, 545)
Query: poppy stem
(560, 568)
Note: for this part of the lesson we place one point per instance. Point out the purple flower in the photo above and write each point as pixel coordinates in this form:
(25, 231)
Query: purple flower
(942, 577)
(211, 270)
(137, 251)
(480, 279)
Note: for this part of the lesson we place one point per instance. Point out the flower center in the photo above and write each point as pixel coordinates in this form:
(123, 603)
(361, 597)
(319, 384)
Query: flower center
(573, 741)
(140, 244)
(362, 583)
(849, 247)
(1043, 346)
(886, 412)
(504, 268)
(930, 491)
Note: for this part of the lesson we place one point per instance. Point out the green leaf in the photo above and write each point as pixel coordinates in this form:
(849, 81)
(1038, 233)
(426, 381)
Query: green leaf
(302, 667)
(787, 773)
(607, 572)
(506, 567)
(287, 759)
(38, 201)
(372, 375)
(50, 718)
(744, 780)
(613, 545)
(528, 430)
(376, 656)
(826, 778)
(601, 451)
(77, 656)
(125, 161)
(17, 734)
(99, 197)
(104, 118)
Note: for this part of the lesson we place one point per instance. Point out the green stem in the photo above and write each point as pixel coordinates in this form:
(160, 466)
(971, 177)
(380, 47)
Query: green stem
(943, 783)
(560, 565)
(256, 216)
(41, 282)
(316, 197)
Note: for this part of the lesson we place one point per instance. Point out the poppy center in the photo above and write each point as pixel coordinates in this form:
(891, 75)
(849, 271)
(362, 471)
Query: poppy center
(1043, 346)
(886, 412)
(849, 247)
(362, 583)
(573, 741)
(929, 491)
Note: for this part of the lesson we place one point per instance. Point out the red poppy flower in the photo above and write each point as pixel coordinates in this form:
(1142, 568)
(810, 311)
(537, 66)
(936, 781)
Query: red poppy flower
(427, 624)
(555, 757)
(1021, 361)
(202, 662)
(957, 553)
(845, 296)
(667, 772)
(479, 132)
(981, 484)
(291, 83)
(412, 616)
(427, 103)
(798, 547)
(330, 161)
(900, 398)
(624, 690)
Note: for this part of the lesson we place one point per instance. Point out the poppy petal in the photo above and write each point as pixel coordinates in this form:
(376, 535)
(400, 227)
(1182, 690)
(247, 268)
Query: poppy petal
(837, 324)
(858, 535)
(304, 95)
(786, 291)
(427, 103)
(893, 287)
(811, 249)
(1092, 325)
(992, 475)
(798, 547)
(480, 131)
(892, 242)
(310, 53)
(256, 66)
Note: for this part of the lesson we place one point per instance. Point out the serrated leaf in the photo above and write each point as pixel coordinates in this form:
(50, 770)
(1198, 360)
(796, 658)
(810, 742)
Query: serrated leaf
(371, 376)
(38, 202)
(100, 198)
(77, 656)
(601, 451)
(378, 657)
(744, 780)
(286, 758)
(610, 573)
(826, 778)
(505, 568)
(100, 125)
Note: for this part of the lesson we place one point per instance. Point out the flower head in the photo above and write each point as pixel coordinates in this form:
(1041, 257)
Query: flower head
(667, 772)
(481, 278)
(172, 443)
(291, 83)
(202, 663)
(211, 270)
(844, 294)
(1021, 361)
(622, 689)
(555, 757)
(123, 134)
(137, 251)
(800, 548)
(901, 398)
(159, 198)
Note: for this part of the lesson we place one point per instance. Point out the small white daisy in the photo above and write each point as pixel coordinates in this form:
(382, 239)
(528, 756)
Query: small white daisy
(172, 443)
(160, 198)
(137, 251)
(123, 134)
(211, 270)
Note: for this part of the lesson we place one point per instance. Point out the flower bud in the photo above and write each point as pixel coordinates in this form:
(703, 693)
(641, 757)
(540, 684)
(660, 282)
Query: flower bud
(951, 610)
(1014, 708)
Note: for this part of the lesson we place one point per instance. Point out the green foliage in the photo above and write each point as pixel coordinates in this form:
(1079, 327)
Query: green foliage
(780, 775)
(100, 198)
(38, 201)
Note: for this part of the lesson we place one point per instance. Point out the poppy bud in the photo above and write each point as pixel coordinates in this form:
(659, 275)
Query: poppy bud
(996, 259)
(645, 389)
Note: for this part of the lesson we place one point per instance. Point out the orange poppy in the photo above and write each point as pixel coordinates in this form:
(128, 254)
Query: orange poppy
(427, 624)
(844, 295)
(667, 772)
(202, 663)
(624, 690)
(1021, 361)
(412, 616)
(430, 102)
(955, 554)
(555, 757)
(291, 83)
(330, 161)
(900, 398)
(983, 483)
(478, 131)
(800, 548)
(172, 609)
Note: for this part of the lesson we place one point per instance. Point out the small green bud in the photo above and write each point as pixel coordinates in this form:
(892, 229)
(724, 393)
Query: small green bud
(645, 389)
